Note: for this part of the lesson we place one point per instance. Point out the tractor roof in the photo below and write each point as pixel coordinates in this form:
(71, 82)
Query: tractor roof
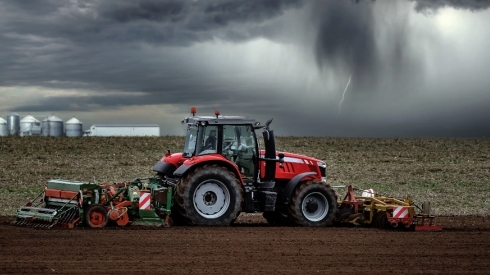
(220, 120)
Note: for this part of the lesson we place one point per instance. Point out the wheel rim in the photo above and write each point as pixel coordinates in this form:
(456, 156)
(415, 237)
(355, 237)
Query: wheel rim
(97, 218)
(315, 206)
(211, 199)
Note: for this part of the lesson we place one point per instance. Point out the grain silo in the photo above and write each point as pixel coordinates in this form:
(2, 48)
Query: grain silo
(52, 126)
(13, 124)
(74, 128)
(29, 126)
(3, 128)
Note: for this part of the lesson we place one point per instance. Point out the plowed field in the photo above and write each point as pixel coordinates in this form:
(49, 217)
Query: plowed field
(454, 174)
(249, 247)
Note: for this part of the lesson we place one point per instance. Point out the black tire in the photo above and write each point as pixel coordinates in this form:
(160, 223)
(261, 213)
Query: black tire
(313, 204)
(381, 220)
(96, 216)
(209, 195)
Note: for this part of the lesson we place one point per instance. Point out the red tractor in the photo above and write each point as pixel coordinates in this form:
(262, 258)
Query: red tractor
(222, 171)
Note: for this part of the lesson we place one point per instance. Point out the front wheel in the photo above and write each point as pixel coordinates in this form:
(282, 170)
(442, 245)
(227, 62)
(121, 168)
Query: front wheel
(313, 204)
(209, 195)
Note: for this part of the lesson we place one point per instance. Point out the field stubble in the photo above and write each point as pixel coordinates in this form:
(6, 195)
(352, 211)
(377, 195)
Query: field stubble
(454, 174)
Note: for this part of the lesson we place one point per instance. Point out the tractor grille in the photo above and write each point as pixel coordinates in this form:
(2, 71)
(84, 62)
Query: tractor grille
(288, 167)
(323, 171)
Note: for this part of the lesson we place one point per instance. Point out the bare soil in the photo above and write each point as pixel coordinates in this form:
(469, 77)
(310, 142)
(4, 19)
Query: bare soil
(249, 247)
(454, 174)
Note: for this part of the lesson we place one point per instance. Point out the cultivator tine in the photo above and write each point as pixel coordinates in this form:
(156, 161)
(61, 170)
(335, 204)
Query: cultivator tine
(46, 225)
(426, 223)
(18, 222)
(40, 225)
(48, 216)
(37, 224)
(36, 217)
(69, 218)
(31, 223)
(62, 218)
(22, 222)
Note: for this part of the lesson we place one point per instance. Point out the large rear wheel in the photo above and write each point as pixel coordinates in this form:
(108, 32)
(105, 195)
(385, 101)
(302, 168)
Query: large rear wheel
(313, 204)
(209, 195)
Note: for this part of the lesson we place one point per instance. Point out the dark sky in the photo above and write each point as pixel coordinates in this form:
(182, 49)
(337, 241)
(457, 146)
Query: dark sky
(417, 68)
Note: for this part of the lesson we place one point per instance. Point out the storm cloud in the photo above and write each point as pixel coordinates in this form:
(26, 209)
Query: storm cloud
(345, 36)
(162, 22)
(291, 60)
(474, 5)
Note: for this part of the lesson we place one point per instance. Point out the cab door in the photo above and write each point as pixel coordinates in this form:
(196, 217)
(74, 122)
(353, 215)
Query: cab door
(239, 146)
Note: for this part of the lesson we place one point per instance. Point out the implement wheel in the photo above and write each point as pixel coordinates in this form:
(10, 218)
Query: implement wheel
(209, 195)
(381, 220)
(313, 204)
(96, 216)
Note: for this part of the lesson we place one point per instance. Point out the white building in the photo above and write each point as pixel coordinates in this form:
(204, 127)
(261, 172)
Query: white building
(123, 130)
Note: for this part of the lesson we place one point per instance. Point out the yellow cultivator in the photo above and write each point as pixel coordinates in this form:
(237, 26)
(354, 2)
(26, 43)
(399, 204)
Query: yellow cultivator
(385, 212)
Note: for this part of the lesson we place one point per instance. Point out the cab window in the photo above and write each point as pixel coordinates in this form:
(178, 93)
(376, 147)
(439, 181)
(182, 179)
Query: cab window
(209, 141)
(239, 147)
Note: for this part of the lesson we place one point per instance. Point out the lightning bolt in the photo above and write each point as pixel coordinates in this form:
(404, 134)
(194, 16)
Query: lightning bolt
(343, 95)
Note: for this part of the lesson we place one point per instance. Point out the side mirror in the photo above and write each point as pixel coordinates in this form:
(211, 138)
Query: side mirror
(268, 123)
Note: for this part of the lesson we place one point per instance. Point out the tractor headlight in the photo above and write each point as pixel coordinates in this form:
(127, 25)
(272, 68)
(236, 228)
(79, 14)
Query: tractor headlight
(323, 170)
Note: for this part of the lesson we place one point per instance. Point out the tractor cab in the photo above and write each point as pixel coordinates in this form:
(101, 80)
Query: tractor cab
(231, 138)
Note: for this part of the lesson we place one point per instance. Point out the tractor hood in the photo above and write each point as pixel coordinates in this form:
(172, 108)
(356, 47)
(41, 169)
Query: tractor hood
(297, 158)
(295, 164)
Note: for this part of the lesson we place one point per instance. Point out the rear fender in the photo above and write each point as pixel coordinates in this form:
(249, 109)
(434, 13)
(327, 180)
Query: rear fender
(164, 168)
(291, 185)
(194, 162)
(168, 164)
